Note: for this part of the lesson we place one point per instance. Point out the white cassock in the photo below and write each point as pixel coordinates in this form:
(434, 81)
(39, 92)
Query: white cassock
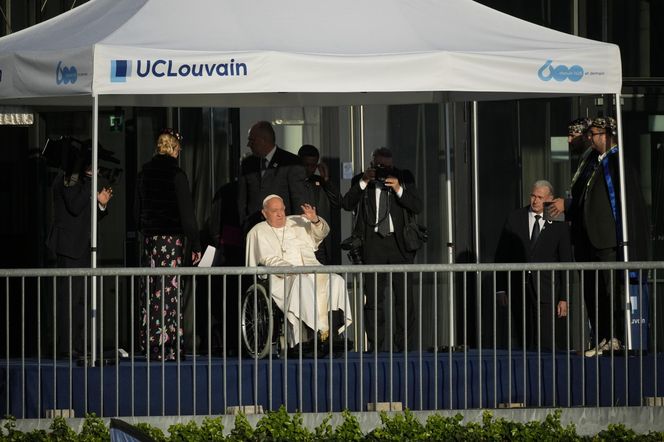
(295, 245)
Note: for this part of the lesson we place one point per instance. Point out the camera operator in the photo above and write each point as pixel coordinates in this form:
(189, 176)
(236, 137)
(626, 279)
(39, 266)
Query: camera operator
(69, 239)
(382, 198)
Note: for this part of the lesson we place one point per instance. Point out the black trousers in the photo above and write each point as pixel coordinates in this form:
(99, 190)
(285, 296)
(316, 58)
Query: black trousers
(601, 293)
(538, 314)
(379, 293)
(76, 324)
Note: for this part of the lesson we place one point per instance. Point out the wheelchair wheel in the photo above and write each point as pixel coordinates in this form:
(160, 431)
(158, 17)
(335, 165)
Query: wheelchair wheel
(257, 321)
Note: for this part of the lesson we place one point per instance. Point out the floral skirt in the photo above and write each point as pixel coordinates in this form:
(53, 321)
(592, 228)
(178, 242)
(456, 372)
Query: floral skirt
(161, 311)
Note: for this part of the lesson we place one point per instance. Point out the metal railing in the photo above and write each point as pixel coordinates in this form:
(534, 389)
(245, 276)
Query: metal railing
(465, 353)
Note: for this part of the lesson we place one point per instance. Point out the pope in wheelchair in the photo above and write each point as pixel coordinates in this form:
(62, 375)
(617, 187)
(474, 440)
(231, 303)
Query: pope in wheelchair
(289, 241)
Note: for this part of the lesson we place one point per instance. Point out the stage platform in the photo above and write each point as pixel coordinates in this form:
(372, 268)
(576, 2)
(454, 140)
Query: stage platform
(420, 381)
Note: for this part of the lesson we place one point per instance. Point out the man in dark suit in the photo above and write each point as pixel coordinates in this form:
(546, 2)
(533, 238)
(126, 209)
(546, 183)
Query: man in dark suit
(596, 230)
(69, 239)
(382, 198)
(580, 145)
(528, 237)
(596, 223)
(269, 170)
(326, 198)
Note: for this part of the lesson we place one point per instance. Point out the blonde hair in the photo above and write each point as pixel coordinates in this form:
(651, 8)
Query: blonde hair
(167, 144)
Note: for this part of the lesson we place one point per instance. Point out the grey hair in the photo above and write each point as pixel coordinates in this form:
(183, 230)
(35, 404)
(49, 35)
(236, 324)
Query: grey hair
(269, 197)
(544, 183)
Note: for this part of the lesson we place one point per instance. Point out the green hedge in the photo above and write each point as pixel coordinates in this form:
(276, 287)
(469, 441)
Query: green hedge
(281, 426)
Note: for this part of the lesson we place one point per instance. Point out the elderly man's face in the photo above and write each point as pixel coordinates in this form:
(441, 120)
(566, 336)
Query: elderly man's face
(275, 213)
(538, 196)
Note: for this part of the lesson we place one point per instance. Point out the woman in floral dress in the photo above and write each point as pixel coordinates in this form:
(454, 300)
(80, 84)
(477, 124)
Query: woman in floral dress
(165, 214)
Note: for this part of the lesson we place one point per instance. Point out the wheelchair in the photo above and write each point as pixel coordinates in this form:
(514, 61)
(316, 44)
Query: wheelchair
(261, 321)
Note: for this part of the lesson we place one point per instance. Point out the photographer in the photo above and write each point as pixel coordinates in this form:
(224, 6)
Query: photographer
(382, 198)
(69, 239)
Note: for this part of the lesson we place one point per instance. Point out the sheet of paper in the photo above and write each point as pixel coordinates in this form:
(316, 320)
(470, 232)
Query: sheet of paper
(208, 257)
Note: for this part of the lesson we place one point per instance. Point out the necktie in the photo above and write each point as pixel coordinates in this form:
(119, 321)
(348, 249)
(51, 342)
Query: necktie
(536, 230)
(263, 165)
(383, 218)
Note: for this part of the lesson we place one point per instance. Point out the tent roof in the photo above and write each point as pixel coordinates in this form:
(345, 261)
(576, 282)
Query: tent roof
(170, 52)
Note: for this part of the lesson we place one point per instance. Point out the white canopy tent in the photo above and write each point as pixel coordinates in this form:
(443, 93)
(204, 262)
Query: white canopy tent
(147, 49)
(230, 53)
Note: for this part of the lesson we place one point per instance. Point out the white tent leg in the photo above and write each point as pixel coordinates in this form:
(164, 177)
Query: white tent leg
(93, 226)
(362, 136)
(476, 186)
(450, 221)
(621, 169)
(623, 219)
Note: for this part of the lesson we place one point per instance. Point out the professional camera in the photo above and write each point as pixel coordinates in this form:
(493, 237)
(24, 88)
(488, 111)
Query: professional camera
(74, 156)
(382, 172)
(354, 246)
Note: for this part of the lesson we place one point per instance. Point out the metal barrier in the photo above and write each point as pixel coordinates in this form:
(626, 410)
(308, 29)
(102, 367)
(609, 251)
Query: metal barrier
(465, 353)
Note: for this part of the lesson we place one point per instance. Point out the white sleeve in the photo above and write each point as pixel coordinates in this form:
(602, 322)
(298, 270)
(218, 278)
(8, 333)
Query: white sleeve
(261, 251)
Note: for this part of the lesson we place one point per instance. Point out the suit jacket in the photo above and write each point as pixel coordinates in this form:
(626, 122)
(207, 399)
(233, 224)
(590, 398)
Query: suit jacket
(284, 176)
(363, 203)
(597, 218)
(553, 245)
(573, 211)
(70, 232)
(327, 200)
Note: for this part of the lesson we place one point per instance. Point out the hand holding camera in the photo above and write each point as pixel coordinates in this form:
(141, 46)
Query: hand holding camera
(369, 175)
(382, 176)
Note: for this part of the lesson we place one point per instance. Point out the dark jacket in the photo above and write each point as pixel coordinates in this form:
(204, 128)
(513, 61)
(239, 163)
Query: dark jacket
(285, 176)
(552, 245)
(70, 232)
(163, 204)
(363, 203)
(594, 214)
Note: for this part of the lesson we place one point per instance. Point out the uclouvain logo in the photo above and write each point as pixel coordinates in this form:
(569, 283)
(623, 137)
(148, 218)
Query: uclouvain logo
(65, 75)
(165, 68)
(560, 72)
(120, 70)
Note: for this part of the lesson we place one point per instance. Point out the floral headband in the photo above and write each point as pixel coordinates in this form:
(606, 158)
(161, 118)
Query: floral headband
(607, 123)
(579, 126)
(171, 132)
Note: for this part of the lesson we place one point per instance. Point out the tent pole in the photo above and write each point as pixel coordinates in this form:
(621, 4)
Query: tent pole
(448, 185)
(624, 221)
(362, 135)
(213, 184)
(93, 226)
(621, 170)
(450, 221)
(476, 190)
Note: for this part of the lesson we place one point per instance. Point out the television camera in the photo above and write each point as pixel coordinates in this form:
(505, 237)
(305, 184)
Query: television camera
(75, 156)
